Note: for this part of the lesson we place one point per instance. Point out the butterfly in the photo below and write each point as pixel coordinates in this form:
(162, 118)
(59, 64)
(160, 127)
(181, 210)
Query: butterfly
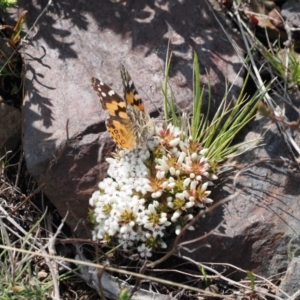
(128, 124)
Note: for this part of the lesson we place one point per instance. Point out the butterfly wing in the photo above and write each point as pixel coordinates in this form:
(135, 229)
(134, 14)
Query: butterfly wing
(118, 123)
(109, 99)
(121, 133)
(131, 95)
(142, 125)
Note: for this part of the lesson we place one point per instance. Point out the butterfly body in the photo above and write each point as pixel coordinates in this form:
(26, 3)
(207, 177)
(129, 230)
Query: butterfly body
(128, 124)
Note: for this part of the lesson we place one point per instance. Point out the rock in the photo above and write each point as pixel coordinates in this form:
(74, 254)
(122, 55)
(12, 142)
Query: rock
(65, 140)
(10, 117)
(258, 224)
(290, 284)
(10, 128)
(291, 15)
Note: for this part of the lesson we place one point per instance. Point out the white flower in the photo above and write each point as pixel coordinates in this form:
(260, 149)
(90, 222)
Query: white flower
(171, 185)
(94, 198)
(170, 202)
(172, 171)
(162, 164)
(163, 220)
(177, 229)
(153, 143)
(199, 177)
(158, 230)
(141, 234)
(176, 215)
(186, 182)
(214, 177)
(174, 142)
(160, 174)
(194, 184)
(183, 146)
(124, 208)
(194, 156)
(181, 158)
(174, 152)
(156, 194)
(204, 187)
(171, 179)
(165, 185)
(208, 201)
(180, 196)
(108, 185)
(203, 151)
(144, 251)
(163, 245)
(127, 227)
(188, 217)
(191, 203)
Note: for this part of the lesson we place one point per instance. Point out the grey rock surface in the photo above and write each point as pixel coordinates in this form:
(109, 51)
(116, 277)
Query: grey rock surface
(10, 128)
(290, 282)
(261, 224)
(66, 143)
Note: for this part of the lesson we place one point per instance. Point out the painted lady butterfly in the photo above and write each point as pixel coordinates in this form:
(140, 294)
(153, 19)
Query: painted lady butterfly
(128, 124)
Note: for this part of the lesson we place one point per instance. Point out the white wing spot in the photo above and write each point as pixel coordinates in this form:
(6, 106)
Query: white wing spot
(103, 94)
(111, 93)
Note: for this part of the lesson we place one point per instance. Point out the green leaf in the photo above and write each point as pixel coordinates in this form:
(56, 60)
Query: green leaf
(252, 279)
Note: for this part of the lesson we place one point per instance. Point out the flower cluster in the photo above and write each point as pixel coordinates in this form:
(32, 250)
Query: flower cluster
(152, 191)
